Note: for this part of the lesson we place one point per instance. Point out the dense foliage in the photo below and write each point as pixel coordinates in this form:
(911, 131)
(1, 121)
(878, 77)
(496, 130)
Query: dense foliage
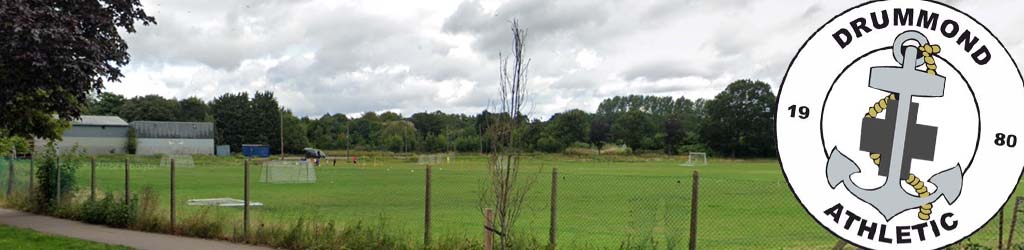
(54, 53)
(737, 123)
(56, 175)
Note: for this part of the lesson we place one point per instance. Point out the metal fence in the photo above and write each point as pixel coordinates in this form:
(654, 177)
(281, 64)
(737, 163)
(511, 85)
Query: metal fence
(582, 206)
(15, 177)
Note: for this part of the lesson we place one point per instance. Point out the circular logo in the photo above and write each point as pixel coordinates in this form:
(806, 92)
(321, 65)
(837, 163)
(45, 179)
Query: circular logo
(897, 125)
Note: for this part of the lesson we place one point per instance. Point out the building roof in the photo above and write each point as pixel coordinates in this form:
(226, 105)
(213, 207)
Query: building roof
(176, 130)
(99, 120)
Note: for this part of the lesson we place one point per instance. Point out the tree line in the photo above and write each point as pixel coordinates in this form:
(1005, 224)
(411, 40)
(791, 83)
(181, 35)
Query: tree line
(736, 123)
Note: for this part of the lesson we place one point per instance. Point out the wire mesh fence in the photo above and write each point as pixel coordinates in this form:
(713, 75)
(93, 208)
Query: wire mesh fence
(597, 205)
(15, 177)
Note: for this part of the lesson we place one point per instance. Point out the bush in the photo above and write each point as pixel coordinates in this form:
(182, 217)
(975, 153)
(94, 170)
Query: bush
(109, 212)
(202, 225)
(549, 145)
(56, 175)
(150, 218)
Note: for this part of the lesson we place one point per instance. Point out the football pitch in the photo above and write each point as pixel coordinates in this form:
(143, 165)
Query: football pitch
(601, 202)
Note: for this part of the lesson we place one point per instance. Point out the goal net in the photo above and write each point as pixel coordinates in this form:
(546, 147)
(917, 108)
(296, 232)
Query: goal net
(696, 158)
(288, 172)
(433, 159)
(180, 161)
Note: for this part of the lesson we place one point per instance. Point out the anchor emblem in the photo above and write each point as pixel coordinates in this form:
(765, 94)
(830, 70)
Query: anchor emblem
(898, 137)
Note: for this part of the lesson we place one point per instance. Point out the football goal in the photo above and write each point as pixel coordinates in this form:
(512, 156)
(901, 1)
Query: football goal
(696, 158)
(288, 172)
(433, 159)
(180, 161)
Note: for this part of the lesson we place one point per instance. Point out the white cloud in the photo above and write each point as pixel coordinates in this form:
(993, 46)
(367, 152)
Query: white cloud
(323, 56)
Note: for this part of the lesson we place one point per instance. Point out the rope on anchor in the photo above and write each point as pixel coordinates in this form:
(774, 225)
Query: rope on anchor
(928, 50)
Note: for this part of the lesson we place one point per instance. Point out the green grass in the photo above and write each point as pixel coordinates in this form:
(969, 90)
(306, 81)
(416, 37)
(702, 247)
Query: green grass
(16, 239)
(602, 203)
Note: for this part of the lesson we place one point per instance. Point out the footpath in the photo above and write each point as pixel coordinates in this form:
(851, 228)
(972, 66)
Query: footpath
(113, 236)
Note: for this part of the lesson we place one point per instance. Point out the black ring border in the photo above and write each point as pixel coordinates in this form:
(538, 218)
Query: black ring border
(788, 68)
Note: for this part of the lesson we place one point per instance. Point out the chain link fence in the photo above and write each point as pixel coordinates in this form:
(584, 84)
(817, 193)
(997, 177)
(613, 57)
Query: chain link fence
(597, 205)
(15, 177)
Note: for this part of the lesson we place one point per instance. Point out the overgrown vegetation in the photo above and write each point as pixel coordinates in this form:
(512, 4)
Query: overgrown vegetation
(107, 211)
(56, 175)
(133, 142)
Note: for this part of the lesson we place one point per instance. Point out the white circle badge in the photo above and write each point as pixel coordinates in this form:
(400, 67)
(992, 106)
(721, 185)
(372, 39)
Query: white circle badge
(898, 124)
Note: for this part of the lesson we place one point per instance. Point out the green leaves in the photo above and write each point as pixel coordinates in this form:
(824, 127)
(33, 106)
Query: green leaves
(739, 120)
(54, 54)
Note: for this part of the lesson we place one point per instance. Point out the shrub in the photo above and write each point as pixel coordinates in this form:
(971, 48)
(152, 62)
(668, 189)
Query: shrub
(109, 212)
(56, 175)
(549, 145)
(202, 225)
(150, 217)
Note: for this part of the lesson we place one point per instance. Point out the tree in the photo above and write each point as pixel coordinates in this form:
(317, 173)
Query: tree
(569, 127)
(390, 116)
(506, 192)
(150, 108)
(398, 135)
(660, 106)
(600, 131)
(675, 133)
(265, 120)
(364, 131)
(324, 133)
(739, 120)
(636, 129)
(193, 109)
(229, 119)
(54, 53)
(293, 126)
(106, 104)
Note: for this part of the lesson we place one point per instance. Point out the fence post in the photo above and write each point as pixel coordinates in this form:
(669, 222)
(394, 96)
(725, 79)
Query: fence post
(92, 178)
(488, 229)
(10, 174)
(1013, 222)
(839, 245)
(57, 168)
(172, 195)
(245, 215)
(426, 211)
(1000, 245)
(127, 181)
(554, 209)
(693, 210)
(31, 178)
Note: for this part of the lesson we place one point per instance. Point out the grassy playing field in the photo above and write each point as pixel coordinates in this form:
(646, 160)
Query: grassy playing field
(602, 203)
(13, 238)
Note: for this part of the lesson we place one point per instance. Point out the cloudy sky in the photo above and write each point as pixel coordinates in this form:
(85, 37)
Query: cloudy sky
(411, 56)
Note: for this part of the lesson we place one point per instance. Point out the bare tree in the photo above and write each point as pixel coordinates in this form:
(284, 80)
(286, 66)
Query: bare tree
(505, 190)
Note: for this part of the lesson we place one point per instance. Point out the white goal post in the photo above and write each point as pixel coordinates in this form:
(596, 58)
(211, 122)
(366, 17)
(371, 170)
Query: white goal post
(696, 158)
(288, 172)
(180, 161)
(433, 159)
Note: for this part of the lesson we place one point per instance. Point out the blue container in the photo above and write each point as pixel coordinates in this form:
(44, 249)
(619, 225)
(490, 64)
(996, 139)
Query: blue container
(256, 150)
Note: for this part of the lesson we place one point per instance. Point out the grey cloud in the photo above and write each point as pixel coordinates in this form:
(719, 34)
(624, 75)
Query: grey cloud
(654, 71)
(351, 60)
(549, 23)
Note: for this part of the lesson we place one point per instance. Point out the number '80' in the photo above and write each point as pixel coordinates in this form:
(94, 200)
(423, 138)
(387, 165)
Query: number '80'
(1006, 140)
